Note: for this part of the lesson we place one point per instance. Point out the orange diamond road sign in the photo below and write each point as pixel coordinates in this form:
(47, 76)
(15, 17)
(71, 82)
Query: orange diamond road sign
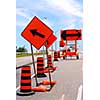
(71, 34)
(50, 41)
(36, 32)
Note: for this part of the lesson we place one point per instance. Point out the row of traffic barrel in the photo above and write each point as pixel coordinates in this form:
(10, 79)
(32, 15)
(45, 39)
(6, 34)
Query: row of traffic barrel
(41, 72)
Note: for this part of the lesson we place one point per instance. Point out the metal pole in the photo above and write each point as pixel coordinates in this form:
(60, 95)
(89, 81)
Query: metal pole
(55, 46)
(66, 49)
(34, 66)
(43, 53)
(75, 45)
(66, 44)
(47, 64)
(55, 43)
(52, 50)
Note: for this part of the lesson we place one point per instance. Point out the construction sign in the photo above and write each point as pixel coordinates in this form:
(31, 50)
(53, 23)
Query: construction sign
(71, 34)
(36, 32)
(62, 43)
(50, 41)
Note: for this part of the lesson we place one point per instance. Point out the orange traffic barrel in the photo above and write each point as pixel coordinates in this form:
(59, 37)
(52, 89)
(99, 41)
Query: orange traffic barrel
(55, 56)
(25, 82)
(50, 65)
(64, 54)
(40, 67)
(58, 54)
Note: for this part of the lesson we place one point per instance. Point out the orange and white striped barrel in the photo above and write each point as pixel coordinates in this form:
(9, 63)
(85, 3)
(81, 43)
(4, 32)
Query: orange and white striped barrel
(50, 64)
(40, 67)
(55, 56)
(58, 54)
(25, 82)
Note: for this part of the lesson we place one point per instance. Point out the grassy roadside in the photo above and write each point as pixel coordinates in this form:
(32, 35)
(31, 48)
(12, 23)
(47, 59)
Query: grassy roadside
(28, 54)
(22, 55)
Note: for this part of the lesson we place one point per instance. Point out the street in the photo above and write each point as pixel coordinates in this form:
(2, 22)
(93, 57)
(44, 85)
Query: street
(25, 60)
(69, 82)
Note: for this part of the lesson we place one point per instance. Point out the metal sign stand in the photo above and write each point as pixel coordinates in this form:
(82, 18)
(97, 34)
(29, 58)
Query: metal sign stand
(34, 65)
(52, 50)
(52, 54)
(75, 45)
(49, 70)
(43, 53)
(66, 50)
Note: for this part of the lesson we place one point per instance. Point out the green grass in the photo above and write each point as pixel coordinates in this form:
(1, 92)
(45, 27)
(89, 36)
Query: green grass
(39, 53)
(28, 54)
(22, 55)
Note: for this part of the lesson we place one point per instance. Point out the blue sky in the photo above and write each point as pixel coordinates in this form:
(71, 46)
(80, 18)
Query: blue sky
(57, 14)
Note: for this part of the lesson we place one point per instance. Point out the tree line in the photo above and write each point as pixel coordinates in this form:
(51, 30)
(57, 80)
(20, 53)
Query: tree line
(21, 49)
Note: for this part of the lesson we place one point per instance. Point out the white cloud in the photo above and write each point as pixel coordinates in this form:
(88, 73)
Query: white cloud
(48, 23)
(54, 6)
(57, 7)
(18, 23)
(21, 23)
(21, 12)
(65, 6)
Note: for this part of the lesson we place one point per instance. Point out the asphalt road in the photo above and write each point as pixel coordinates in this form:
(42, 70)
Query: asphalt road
(69, 82)
(25, 60)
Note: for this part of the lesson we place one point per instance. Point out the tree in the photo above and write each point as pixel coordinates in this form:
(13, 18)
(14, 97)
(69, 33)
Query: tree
(21, 49)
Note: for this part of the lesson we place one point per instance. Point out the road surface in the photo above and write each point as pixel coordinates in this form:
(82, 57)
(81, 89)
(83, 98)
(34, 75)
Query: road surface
(69, 82)
(25, 60)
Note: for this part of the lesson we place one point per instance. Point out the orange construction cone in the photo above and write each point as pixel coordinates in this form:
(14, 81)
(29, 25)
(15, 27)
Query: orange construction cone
(55, 56)
(40, 67)
(25, 83)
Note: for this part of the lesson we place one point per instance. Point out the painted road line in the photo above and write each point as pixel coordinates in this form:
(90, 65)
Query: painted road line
(19, 85)
(32, 75)
(79, 95)
(62, 97)
(17, 88)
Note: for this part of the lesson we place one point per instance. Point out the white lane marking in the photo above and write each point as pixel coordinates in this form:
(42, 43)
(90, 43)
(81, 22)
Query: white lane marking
(79, 95)
(17, 88)
(62, 97)
(32, 75)
(19, 85)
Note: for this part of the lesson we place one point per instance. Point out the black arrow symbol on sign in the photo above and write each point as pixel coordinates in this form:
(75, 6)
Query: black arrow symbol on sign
(78, 34)
(64, 34)
(34, 32)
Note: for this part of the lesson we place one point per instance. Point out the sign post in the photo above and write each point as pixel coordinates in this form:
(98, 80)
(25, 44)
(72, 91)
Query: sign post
(71, 34)
(37, 34)
(50, 41)
(47, 44)
(34, 65)
(49, 70)
(75, 45)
